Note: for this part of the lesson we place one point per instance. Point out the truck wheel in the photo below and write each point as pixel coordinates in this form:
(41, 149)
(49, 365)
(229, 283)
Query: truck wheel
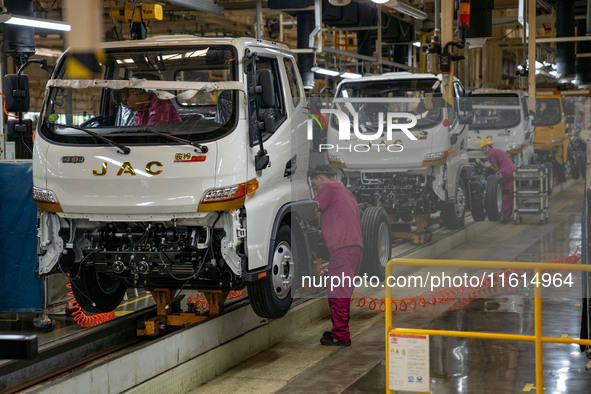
(576, 168)
(97, 292)
(453, 213)
(478, 207)
(271, 296)
(494, 198)
(377, 244)
(561, 172)
(548, 165)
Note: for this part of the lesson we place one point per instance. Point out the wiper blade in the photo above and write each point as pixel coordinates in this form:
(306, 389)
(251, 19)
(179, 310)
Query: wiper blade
(124, 150)
(199, 148)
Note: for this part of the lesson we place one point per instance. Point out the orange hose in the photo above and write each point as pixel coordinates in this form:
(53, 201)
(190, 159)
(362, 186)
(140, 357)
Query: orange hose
(82, 319)
(487, 289)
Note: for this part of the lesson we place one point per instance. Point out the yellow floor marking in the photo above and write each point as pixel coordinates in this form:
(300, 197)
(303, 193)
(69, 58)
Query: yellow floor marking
(577, 304)
(530, 387)
(131, 302)
(568, 336)
(122, 313)
(564, 205)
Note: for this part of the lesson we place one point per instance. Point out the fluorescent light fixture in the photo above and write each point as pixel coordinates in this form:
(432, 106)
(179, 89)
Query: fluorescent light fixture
(380, 1)
(404, 8)
(417, 44)
(554, 73)
(350, 75)
(34, 22)
(325, 71)
(539, 65)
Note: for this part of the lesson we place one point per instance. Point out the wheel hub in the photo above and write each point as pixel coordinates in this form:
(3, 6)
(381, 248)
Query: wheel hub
(282, 271)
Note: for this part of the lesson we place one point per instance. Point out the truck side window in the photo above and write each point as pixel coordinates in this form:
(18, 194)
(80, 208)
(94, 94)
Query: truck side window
(292, 81)
(277, 113)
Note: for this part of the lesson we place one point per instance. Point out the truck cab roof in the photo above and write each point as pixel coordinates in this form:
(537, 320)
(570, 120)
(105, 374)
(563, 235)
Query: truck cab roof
(240, 43)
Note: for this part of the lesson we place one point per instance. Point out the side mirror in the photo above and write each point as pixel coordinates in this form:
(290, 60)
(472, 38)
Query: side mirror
(465, 104)
(16, 92)
(22, 127)
(266, 88)
(465, 119)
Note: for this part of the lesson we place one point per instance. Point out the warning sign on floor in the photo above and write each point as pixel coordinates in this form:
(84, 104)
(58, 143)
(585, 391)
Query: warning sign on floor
(408, 363)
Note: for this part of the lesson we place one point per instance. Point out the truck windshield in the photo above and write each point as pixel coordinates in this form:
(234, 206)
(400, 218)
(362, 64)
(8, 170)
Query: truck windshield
(494, 111)
(189, 92)
(420, 97)
(548, 111)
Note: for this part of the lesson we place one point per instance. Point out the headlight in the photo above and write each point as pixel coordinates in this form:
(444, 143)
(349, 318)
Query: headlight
(46, 200)
(515, 149)
(337, 161)
(225, 198)
(557, 140)
(437, 158)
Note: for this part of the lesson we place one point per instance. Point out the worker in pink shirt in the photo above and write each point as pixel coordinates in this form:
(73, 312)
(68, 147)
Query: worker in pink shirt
(341, 227)
(149, 109)
(499, 161)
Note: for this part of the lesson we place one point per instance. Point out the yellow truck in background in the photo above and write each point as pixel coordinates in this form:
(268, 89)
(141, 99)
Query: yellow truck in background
(558, 120)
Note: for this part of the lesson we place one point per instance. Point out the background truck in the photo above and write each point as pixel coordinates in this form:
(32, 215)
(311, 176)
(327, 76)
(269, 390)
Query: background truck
(503, 117)
(395, 177)
(560, 116)
(213, 202)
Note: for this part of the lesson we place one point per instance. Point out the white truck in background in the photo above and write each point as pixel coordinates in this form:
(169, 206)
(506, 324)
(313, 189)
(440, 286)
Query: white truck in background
(394, 176)
(212, 202)
(503, 117)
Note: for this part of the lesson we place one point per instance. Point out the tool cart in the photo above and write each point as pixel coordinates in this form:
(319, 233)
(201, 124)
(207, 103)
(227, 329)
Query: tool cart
(530, 192)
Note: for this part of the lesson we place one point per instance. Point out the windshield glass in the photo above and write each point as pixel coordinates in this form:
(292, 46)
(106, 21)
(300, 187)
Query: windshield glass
(494, 111)
(419, 97)
(189, 92)
(547, 111)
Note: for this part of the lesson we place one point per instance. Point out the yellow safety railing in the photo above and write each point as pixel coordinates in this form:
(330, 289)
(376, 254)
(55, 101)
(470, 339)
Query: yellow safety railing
(537, 338)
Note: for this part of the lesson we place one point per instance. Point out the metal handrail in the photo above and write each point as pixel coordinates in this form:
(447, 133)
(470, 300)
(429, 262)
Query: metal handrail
(537, 338)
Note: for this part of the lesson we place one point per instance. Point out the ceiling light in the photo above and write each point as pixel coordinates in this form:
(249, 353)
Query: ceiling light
(34, 22)
(325, 71)
(417, 44)
(404, 8)
(350, 75)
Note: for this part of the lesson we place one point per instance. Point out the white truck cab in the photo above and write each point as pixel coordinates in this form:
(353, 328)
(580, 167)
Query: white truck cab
(407, 152)
(502, 116)
(207, 202)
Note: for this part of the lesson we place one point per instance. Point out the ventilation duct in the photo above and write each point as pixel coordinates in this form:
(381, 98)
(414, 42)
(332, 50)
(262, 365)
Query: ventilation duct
(565, 51)
(19, 41)
(305, 60)
(583, 64)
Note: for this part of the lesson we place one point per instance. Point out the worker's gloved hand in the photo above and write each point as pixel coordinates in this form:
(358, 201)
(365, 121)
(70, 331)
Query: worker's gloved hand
(484, 163)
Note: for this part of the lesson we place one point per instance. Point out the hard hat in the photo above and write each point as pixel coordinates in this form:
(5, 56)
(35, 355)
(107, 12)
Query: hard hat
(485, 142)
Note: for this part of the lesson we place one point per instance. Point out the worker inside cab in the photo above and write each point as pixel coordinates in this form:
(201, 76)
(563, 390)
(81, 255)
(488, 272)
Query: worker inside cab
(148, 109)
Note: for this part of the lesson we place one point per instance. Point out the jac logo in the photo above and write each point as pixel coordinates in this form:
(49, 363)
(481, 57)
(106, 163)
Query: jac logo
(126, 168)
(345, 125)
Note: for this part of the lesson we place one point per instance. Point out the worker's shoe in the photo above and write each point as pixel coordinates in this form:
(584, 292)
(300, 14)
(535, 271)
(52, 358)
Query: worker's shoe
(330, 341)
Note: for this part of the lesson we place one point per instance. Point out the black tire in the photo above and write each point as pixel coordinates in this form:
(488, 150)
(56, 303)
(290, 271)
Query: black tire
(494, 198)
(478, 204)
(377, 242)
(548, 165)
(271, 296)
(97, 292)
(561, 172)
(582, 164)
(576, 168)
(453, 214)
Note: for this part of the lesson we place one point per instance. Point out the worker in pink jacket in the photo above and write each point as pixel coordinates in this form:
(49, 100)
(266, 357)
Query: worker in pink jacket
(341, 227)
(499, 161)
